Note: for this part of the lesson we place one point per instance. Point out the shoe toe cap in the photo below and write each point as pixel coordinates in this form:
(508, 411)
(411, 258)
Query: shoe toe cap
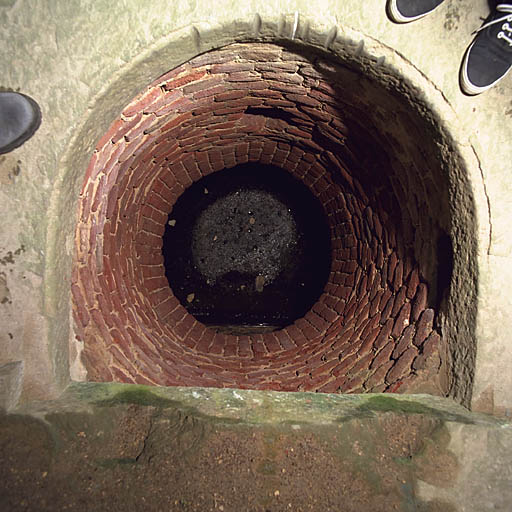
(20, 117)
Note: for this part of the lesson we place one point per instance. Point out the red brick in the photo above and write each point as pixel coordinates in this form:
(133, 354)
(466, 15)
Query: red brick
(169, 126)
(330, 387)
(156, 283)
(399, 301)
(152, 271)
(181, 104)
(384, 336)
(413, 283)
(267, 93)
(386, 297)
(429, 352)
(207, 93)
(397, 279)
(264, 53)
(374, 304)
(282, 77)
(362, 364)
(205, 341)
(243, 76)
(229, 95)
(424, 326)
(317, 321)
(350, 308)
(81, 313)
(367, 343)
(184, 80)
(276, 65)
(244, 346)
(355, 383)
(218, 344)
(298, 132)
(142, 102)
(232, 67)
(324, 99)
(117, 127)
(402, 320)
(181, 175)
(271, 343)
(383, 356)
(420, 301)
(345, 365)
(133, 136)
(309, 330)
(123, 356)
(404, 342)
(314, 383)
(296, 336)
(202, 85)
(402, 367)
(377, 378)
(287, 87)
(161, 106)
(371, 325)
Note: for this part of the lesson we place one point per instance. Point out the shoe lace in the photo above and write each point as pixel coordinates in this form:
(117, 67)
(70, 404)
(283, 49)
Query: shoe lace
(506, 29)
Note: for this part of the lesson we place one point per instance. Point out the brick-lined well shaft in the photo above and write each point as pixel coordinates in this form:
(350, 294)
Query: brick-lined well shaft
(372, 328)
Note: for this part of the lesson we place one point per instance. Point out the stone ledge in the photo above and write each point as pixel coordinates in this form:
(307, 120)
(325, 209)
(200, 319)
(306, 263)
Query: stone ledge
(125, 447)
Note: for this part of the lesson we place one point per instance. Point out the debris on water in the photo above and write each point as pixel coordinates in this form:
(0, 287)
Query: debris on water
(172, 222)
(259, 283)
(190, 297)
(205, 190)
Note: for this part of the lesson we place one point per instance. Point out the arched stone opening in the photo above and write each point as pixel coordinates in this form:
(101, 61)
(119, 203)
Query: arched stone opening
(376, 166)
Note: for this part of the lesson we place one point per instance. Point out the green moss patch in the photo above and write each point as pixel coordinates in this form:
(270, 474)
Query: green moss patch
(138, 396)
(382, 403)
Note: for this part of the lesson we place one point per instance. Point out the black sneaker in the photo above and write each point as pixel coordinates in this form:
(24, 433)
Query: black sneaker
(489, 58)
(403, 11)
(20, 117)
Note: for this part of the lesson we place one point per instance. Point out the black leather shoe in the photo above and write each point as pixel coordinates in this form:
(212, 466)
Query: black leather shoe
(20, 117)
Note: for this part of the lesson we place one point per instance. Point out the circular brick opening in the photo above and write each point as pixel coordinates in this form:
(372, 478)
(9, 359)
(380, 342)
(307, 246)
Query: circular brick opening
(247, 249)
(353, 143)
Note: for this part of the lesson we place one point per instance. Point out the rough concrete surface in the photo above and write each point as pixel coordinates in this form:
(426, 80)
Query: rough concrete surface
(122, 447)
(84, 60)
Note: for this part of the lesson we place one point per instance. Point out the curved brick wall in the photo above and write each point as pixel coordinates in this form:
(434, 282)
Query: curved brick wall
(371, 330)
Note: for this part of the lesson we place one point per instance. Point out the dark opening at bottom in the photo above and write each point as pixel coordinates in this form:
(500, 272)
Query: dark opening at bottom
(248, 246)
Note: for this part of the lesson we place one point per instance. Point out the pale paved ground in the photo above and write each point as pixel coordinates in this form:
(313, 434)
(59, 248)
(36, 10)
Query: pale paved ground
(65, 53)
